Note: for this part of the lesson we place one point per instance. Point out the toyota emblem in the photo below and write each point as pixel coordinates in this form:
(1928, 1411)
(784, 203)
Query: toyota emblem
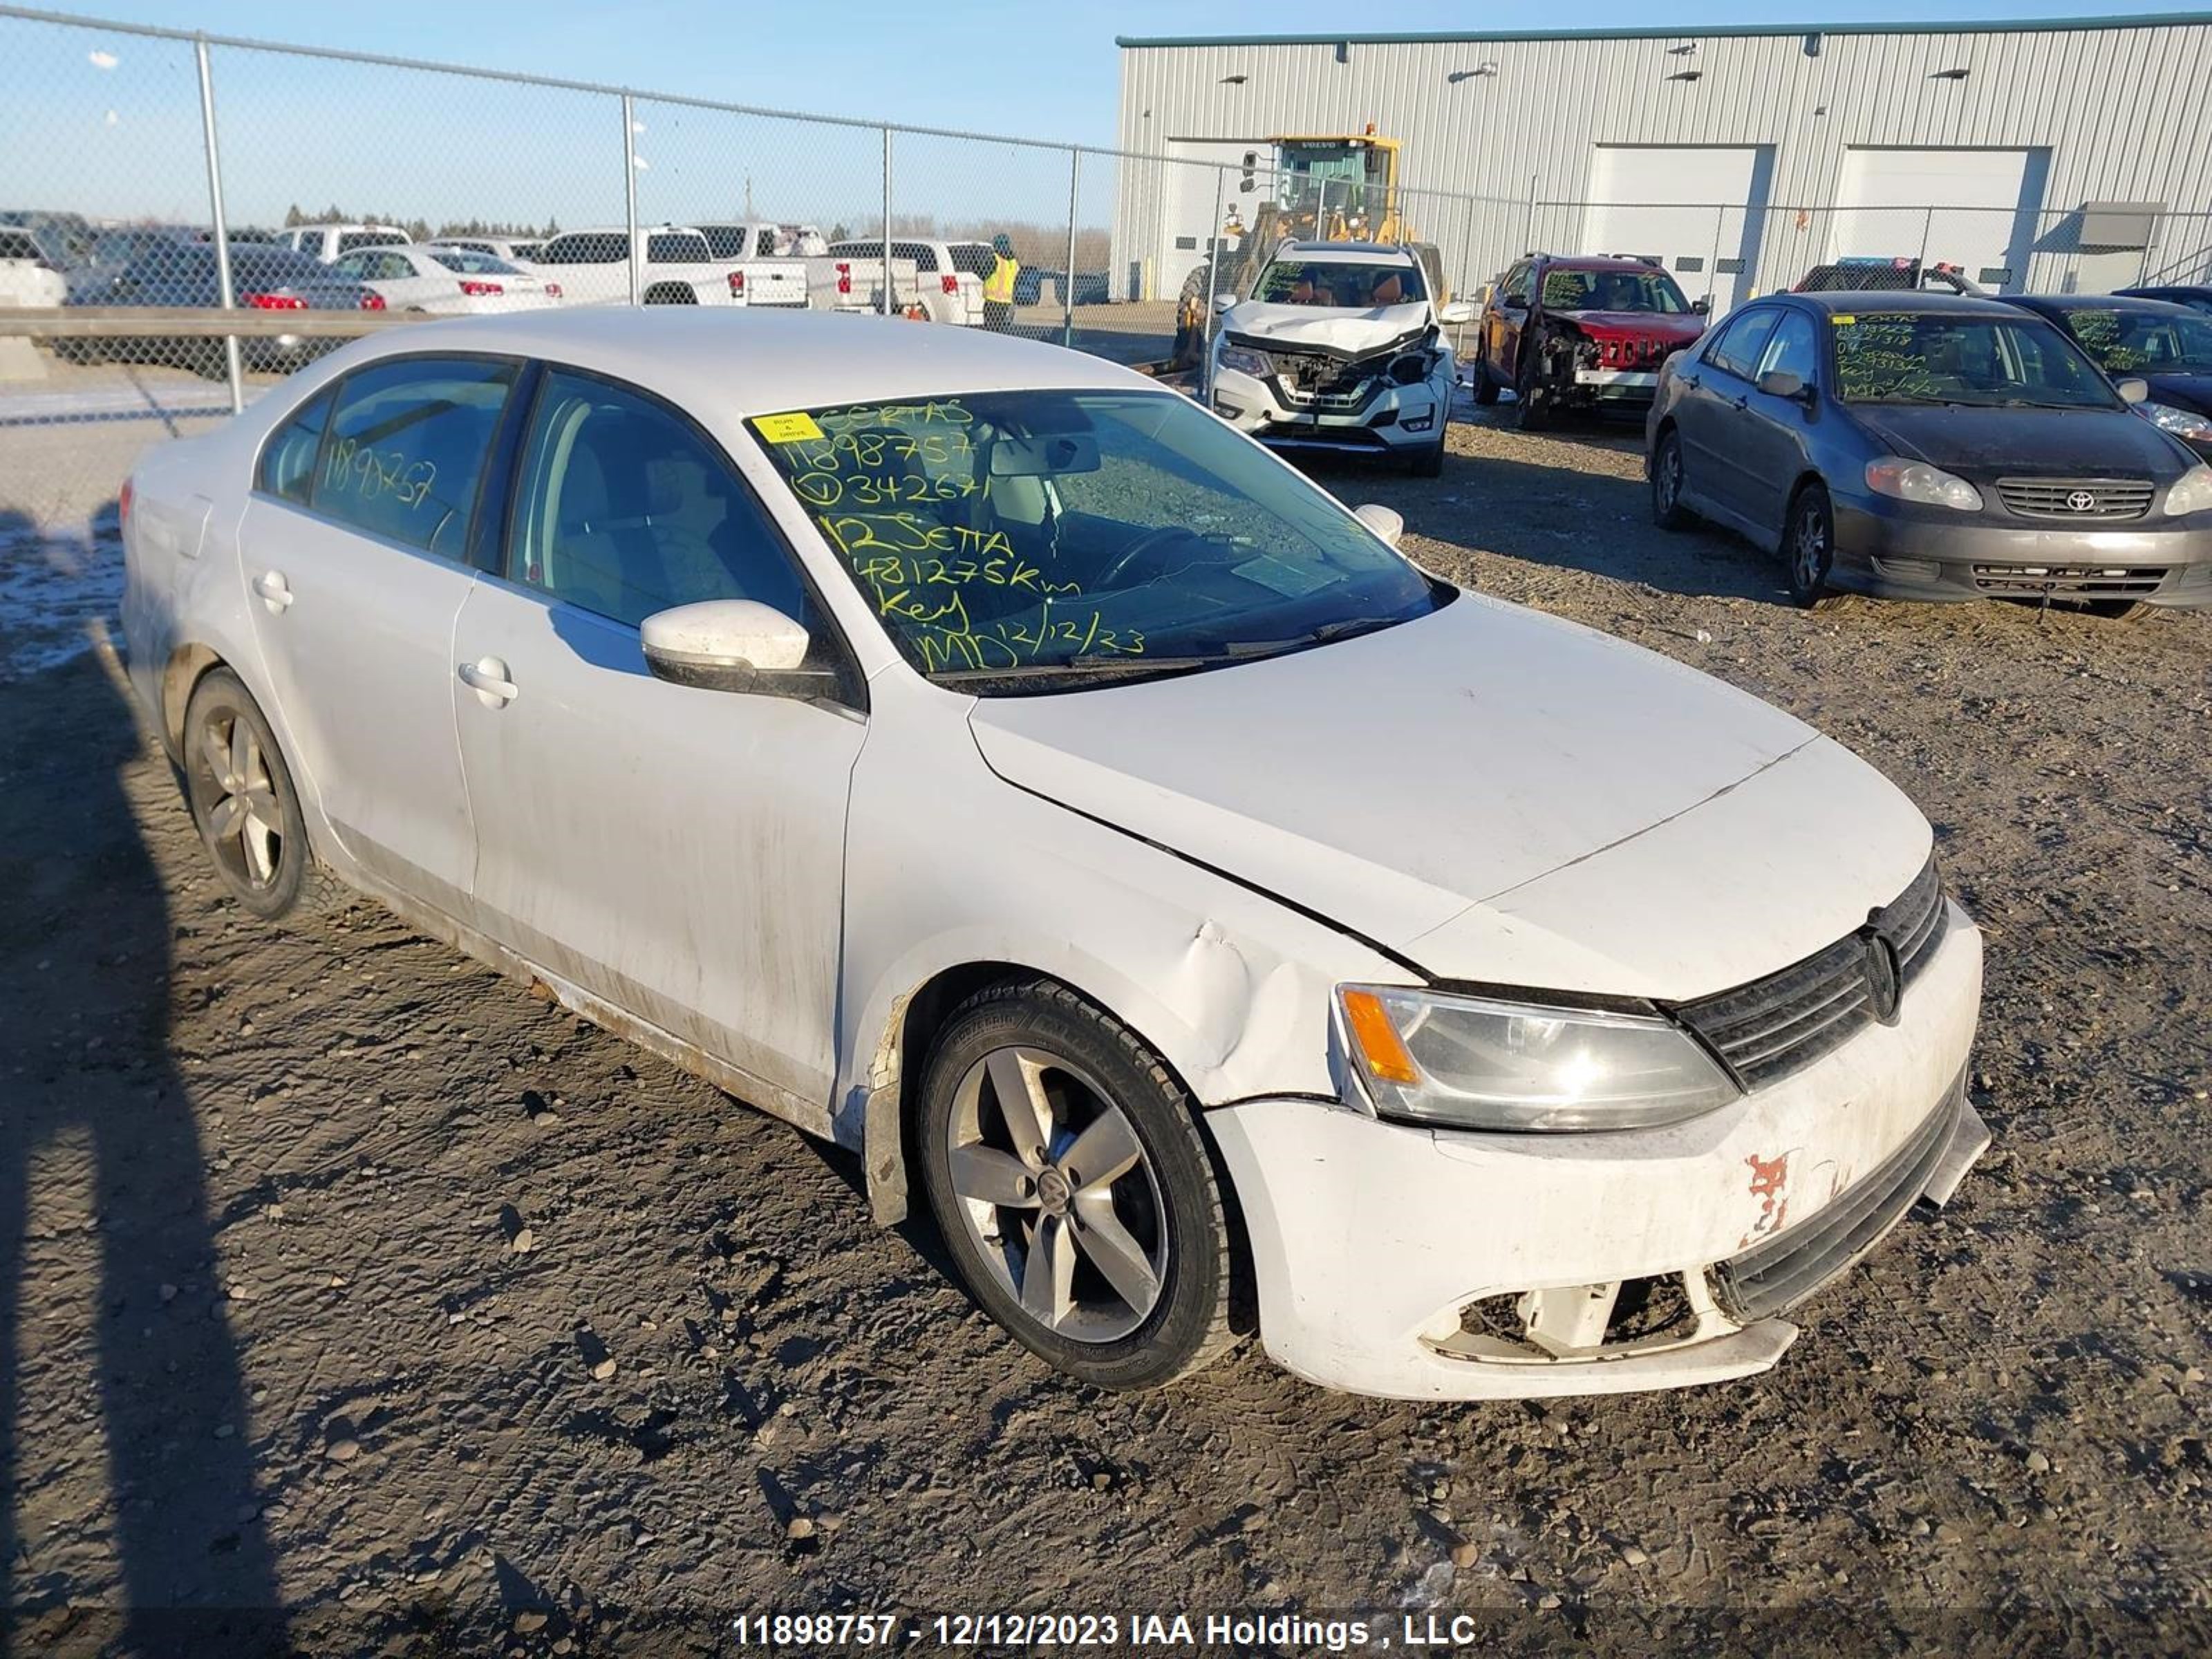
(2080, 500)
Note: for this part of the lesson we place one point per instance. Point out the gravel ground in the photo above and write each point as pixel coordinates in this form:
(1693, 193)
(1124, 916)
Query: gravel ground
(340, 1273)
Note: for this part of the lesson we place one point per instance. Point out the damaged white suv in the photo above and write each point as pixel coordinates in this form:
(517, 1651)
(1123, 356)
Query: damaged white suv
(1340, 349)
(979, 755)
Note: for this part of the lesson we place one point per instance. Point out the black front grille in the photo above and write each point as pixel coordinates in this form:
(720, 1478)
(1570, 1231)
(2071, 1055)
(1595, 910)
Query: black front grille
(1773, 1026)
(2087, 581)
(1777, 1275)
(2081, 500)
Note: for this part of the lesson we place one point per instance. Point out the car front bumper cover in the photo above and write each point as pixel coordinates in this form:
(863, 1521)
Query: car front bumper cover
(1893, 551)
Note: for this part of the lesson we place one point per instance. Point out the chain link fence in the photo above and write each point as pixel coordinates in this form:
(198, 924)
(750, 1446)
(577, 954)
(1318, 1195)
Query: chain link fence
(185, 218)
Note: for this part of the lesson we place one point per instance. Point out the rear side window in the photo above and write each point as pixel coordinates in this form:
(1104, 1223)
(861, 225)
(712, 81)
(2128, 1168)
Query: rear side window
(288, 460)
(406, 446)
(672, 249)
(724, 241)
(349, 240)
(19, 245)
(1737, 348)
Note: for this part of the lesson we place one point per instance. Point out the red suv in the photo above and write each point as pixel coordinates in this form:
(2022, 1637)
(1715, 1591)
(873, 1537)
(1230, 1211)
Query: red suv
(1581, 332)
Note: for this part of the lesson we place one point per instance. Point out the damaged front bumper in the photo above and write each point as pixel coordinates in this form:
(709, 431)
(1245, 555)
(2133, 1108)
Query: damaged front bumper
(1419, 1263)
(1387, 417)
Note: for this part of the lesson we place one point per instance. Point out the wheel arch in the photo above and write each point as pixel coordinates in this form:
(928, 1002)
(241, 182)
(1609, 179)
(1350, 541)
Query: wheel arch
(188, 665)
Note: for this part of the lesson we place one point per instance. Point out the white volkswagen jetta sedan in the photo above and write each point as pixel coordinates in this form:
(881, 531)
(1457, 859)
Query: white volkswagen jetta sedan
(976, 754)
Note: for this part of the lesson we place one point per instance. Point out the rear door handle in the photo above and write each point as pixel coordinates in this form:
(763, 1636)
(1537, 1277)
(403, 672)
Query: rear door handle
(269, 587)
(487, 678)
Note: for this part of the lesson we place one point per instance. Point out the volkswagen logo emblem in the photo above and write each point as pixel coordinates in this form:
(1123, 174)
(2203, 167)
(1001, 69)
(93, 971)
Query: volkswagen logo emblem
(2080, 500)
(1885, 973)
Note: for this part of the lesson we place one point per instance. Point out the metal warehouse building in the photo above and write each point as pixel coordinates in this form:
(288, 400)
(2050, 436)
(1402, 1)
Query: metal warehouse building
(2057, 155)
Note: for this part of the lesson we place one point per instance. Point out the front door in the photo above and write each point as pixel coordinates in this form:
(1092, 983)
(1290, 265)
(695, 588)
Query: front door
(1772, 449)
(677, 851)
(1712, 415)
(354, 548)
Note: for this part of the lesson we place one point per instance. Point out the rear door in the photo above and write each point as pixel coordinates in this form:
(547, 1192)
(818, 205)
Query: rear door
(677, 851)
(354, 548)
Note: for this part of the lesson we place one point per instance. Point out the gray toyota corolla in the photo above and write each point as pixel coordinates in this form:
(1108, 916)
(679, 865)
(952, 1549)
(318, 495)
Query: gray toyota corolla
(1928, 447)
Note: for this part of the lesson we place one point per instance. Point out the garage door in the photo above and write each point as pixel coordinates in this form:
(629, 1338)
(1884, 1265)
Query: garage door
(1186, 202)
(1973, 208)
(1698, 207)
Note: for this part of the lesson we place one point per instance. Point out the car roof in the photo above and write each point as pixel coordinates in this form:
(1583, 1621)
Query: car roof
(1323, 252)
(1597, 262)
(1852, 299)
(738, 362)
(2048, 302)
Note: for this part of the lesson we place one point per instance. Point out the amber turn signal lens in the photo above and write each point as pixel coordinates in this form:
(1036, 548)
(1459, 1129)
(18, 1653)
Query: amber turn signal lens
(1380, 1048)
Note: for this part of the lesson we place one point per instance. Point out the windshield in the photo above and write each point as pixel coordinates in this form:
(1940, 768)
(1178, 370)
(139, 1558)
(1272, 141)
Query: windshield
(1036, 537)
(2143, 342)
(1353, 285)
(1924, 357)
(1611, 290)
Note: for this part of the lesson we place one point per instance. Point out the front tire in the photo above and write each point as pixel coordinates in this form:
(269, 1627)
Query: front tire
(1118, 1272)
(1808, 544)
(244, 803)
(1533, 412)
(1429, 463)
(1484, 383)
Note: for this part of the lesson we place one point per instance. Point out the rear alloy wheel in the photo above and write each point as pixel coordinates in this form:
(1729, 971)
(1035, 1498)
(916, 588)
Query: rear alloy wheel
(1068, 1174)
(1666, 509)
(243, 802)
(1808, 542)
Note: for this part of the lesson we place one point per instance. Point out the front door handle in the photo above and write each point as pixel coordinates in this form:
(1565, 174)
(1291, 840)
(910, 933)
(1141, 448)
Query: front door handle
(487, 678)
(269, 587)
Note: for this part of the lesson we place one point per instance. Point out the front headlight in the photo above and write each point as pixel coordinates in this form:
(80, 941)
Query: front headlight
(2190, 493)
(1472, 1063)
(2182, 423)
(1917, 481)
(1244, 362)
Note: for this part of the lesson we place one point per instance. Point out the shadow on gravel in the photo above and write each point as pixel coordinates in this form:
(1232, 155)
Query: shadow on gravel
(92, 1100)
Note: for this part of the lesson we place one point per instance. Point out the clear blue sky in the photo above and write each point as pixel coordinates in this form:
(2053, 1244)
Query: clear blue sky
(1042, 69)
(109, 123)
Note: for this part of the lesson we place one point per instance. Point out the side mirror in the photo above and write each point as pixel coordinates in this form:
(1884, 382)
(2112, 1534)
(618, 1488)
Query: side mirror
(2132, 390)
(1703, 304)
(1781, 383)
(724, 645)
(1223, 304)
(1385, 523)
(1459, 311)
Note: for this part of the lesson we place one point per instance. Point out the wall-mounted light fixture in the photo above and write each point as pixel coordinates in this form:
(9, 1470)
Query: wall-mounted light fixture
(1234, 80)
(1687, 49)
(1480, 72)
(1687, 74)
(1950, 75)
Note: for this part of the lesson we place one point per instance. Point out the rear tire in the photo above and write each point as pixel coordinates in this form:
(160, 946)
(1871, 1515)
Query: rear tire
(1121, 1278)
(1666, 469)
(244, 803)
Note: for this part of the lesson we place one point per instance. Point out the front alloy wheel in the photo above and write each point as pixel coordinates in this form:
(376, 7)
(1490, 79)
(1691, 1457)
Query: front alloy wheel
(1066, 1172)
(1809, 544)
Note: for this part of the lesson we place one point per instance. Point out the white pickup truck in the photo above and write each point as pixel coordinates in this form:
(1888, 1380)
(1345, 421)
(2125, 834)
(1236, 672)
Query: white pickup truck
(850, 277)
(755, 248)
(944, 281)
(593, 267)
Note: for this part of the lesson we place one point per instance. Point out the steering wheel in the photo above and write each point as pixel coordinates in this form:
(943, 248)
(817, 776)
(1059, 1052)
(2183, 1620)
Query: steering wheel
(1149, 541)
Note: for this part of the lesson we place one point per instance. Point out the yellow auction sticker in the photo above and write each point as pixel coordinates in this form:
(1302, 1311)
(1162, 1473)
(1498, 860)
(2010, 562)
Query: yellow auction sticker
(1843, 319)
(787, 429)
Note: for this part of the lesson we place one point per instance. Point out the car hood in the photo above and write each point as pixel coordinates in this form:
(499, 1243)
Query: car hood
(2023, 442)
(1320, 328)
(1681, 328)
(1493, 795)
(2192, 392)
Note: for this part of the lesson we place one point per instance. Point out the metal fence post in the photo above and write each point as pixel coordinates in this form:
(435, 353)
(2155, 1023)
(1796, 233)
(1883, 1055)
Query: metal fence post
(1927, 229)
(1529, 220)
(1467, 250)
(887, 222)
(1067, 281)
(227, 295)
(629, 201)
(1213, 252)
(1713, 270)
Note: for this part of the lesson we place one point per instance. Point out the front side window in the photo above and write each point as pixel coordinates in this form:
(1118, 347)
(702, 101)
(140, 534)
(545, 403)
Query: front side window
(1793, 348)
(406, 448)
(1348, 284)
(625, 509)
(1737, 347)
(288, 460)
(1035, 537)
(1934, 357)
(1515, 288)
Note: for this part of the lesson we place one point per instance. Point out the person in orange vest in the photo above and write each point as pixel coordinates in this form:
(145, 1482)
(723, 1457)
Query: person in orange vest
(999, 286)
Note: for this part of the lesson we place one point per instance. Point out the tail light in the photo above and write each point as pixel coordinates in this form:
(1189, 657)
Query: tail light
(482, 290)
(371, 301)
(736, 285)
(552, 290)
(844, 278)
(273, 301)
(949, 282)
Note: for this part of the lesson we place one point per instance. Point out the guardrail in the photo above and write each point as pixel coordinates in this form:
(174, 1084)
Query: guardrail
(116, 322)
